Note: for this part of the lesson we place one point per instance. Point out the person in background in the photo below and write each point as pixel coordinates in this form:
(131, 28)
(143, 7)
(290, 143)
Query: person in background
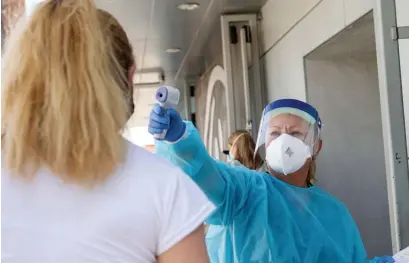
(279, 216)
(73, 189)
(242, 151)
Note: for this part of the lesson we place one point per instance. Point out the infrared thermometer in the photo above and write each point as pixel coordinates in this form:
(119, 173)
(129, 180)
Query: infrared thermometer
(168, 98)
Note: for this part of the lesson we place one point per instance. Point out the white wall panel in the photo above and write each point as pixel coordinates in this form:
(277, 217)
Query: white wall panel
(284, 76)
(402, 7)
(354, 9)
(280, 16)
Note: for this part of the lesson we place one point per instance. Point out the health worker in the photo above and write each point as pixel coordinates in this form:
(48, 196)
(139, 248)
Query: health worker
(278, 216)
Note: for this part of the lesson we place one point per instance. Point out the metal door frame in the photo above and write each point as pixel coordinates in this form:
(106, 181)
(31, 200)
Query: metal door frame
(393, 120)
(257, 95)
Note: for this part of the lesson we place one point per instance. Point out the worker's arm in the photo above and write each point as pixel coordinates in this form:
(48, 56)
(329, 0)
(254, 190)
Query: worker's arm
(225, 186)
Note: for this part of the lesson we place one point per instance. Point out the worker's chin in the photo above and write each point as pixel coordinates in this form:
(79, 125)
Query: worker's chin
(277, 173)
(303, 170)
(282, 175)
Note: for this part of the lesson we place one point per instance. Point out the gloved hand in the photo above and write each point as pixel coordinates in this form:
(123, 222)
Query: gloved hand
(384, 259)
(166, 119)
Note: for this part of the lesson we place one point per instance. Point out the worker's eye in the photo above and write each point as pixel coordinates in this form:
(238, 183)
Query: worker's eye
(275, 133)
(297, 134)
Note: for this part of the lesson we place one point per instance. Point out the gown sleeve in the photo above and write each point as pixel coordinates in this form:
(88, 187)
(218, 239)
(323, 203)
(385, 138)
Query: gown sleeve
(226, 186)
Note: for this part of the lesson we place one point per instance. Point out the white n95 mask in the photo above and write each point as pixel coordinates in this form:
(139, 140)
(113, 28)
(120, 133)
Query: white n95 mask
(287, 154)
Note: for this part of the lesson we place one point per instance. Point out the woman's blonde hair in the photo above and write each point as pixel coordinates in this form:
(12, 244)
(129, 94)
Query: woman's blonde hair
(66, 94)
(245, 147)
(311, 179)
(311, 176)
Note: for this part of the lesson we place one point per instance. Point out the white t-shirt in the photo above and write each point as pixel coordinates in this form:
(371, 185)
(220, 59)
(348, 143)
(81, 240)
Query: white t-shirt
(141, 211)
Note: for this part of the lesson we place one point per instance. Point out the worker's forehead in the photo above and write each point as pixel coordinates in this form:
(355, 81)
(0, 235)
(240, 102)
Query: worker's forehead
(287, 119)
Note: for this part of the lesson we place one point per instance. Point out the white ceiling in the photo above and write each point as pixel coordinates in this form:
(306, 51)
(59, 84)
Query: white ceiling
(155, 25)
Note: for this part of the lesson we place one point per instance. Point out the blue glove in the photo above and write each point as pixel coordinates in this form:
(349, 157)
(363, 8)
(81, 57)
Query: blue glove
(384, 259)
(166, 119)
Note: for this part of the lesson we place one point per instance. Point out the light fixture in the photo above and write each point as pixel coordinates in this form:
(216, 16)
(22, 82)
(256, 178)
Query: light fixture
(172, 50)
(188, 6)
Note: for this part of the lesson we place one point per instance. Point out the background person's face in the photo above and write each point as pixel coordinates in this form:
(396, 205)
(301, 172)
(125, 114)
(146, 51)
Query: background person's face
(286, 123)
(233, 151)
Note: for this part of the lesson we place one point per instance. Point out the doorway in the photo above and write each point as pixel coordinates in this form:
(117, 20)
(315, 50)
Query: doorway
(342, 82)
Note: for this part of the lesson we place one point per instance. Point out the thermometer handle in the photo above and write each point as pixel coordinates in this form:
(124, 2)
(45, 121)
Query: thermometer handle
(168, 98)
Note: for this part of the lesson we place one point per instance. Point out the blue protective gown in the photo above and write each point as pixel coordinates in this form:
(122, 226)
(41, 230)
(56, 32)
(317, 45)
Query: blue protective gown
(262, 219)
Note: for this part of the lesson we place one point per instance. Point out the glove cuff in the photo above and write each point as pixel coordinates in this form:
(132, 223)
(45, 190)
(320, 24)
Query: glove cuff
(181, 136)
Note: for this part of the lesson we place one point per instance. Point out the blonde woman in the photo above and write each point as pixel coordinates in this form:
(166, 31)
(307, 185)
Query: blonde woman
(73, 190)
(242, 151)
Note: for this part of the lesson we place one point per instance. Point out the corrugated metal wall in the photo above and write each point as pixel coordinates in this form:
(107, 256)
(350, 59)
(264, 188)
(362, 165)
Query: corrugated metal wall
(217, 125)
(212, 54)
(201, 93)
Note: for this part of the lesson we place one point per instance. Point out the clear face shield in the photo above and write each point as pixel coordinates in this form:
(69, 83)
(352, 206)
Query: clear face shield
(289, 137)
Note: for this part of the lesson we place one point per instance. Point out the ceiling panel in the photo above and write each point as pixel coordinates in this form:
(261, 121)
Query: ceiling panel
(240, 5)
(154, 25)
